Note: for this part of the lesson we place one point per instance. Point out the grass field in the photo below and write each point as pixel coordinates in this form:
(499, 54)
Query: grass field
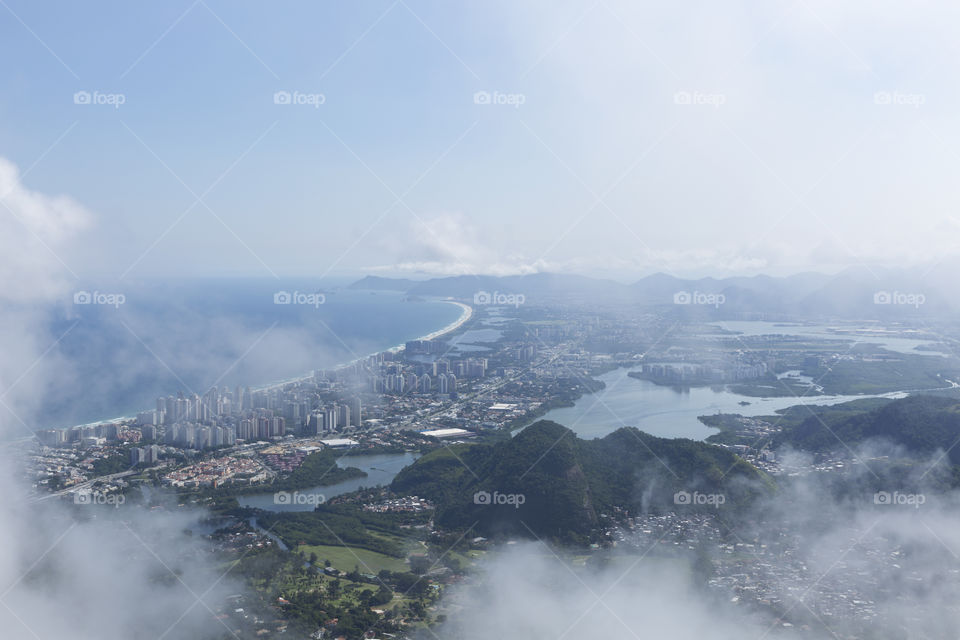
(345, 559)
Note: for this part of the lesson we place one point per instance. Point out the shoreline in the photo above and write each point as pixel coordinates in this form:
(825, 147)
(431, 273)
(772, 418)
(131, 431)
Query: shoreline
(465, 315)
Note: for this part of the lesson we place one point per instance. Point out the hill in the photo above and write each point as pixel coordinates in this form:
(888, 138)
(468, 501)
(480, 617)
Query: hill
(856, 292)
(547, 482)
(922, 424)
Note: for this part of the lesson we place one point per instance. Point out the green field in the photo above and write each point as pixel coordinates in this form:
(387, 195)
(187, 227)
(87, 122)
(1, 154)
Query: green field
(346, 558)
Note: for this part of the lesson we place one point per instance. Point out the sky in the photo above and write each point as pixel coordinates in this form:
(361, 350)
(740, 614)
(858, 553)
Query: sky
(605, 137)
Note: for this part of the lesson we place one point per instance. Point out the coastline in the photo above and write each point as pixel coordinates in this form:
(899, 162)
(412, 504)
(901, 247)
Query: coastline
(465, 315)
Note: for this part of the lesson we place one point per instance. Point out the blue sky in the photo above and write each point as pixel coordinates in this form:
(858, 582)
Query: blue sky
(696, 139)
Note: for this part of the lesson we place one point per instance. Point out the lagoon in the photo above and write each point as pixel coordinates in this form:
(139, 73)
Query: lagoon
(380, 469)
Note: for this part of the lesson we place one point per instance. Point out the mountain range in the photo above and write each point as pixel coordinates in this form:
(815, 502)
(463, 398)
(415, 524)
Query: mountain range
(857, 292)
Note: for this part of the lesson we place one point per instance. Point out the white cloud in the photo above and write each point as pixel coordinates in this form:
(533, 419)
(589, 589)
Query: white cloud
(34, 229)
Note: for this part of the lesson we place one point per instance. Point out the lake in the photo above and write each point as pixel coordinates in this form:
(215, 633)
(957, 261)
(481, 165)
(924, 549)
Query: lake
(380, 468)
(667, 412)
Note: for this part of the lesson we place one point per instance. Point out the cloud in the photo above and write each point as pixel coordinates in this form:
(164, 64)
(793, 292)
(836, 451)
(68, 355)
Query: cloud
(34, 228)
(95, 575)
(92, 573)
(527, 591)
(451, 244)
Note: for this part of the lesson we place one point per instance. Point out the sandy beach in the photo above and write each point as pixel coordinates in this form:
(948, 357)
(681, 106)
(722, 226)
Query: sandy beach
(467, 312)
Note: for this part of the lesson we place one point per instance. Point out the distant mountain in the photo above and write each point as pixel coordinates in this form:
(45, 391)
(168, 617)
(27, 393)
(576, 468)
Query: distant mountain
(546, 286)
(376, 283)
(857, 292)
(549, 483)
(536, 288)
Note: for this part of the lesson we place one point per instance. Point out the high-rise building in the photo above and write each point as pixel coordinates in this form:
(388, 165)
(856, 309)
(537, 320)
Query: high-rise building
(263, 427)
(151, 453)
(411, 381)
(448, 384)
(330, 419)
(315, 423)
(355, 417)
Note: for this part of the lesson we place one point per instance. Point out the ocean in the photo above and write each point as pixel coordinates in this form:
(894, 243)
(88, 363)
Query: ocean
(115, 358)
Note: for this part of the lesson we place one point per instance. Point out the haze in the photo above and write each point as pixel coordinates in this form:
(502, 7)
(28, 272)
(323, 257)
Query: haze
(630, 138)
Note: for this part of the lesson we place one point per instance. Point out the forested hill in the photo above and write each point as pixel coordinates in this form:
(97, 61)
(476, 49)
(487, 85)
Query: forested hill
(922, 424)
(549, 483)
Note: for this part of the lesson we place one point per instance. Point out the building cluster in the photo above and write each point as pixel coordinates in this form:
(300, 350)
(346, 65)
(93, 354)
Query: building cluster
(704, 373)
(383, 401)
(90, 435)
(403, 504)
(334, 417)
(218, 471)
(286, 459)
(148, 455)
(219, 418)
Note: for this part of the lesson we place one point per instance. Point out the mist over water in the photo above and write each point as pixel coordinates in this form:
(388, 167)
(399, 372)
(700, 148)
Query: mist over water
(186, 336)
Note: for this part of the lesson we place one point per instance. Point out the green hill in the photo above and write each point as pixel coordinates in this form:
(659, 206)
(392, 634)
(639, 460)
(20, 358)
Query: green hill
(922, 424)
(549, 483)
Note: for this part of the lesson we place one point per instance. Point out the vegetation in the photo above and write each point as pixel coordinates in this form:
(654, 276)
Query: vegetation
(110, 465)
(882, 375)
(318, 469)
(921, 424)
(565, 484)
(344, 525)
(344, 606)
(348, 558)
